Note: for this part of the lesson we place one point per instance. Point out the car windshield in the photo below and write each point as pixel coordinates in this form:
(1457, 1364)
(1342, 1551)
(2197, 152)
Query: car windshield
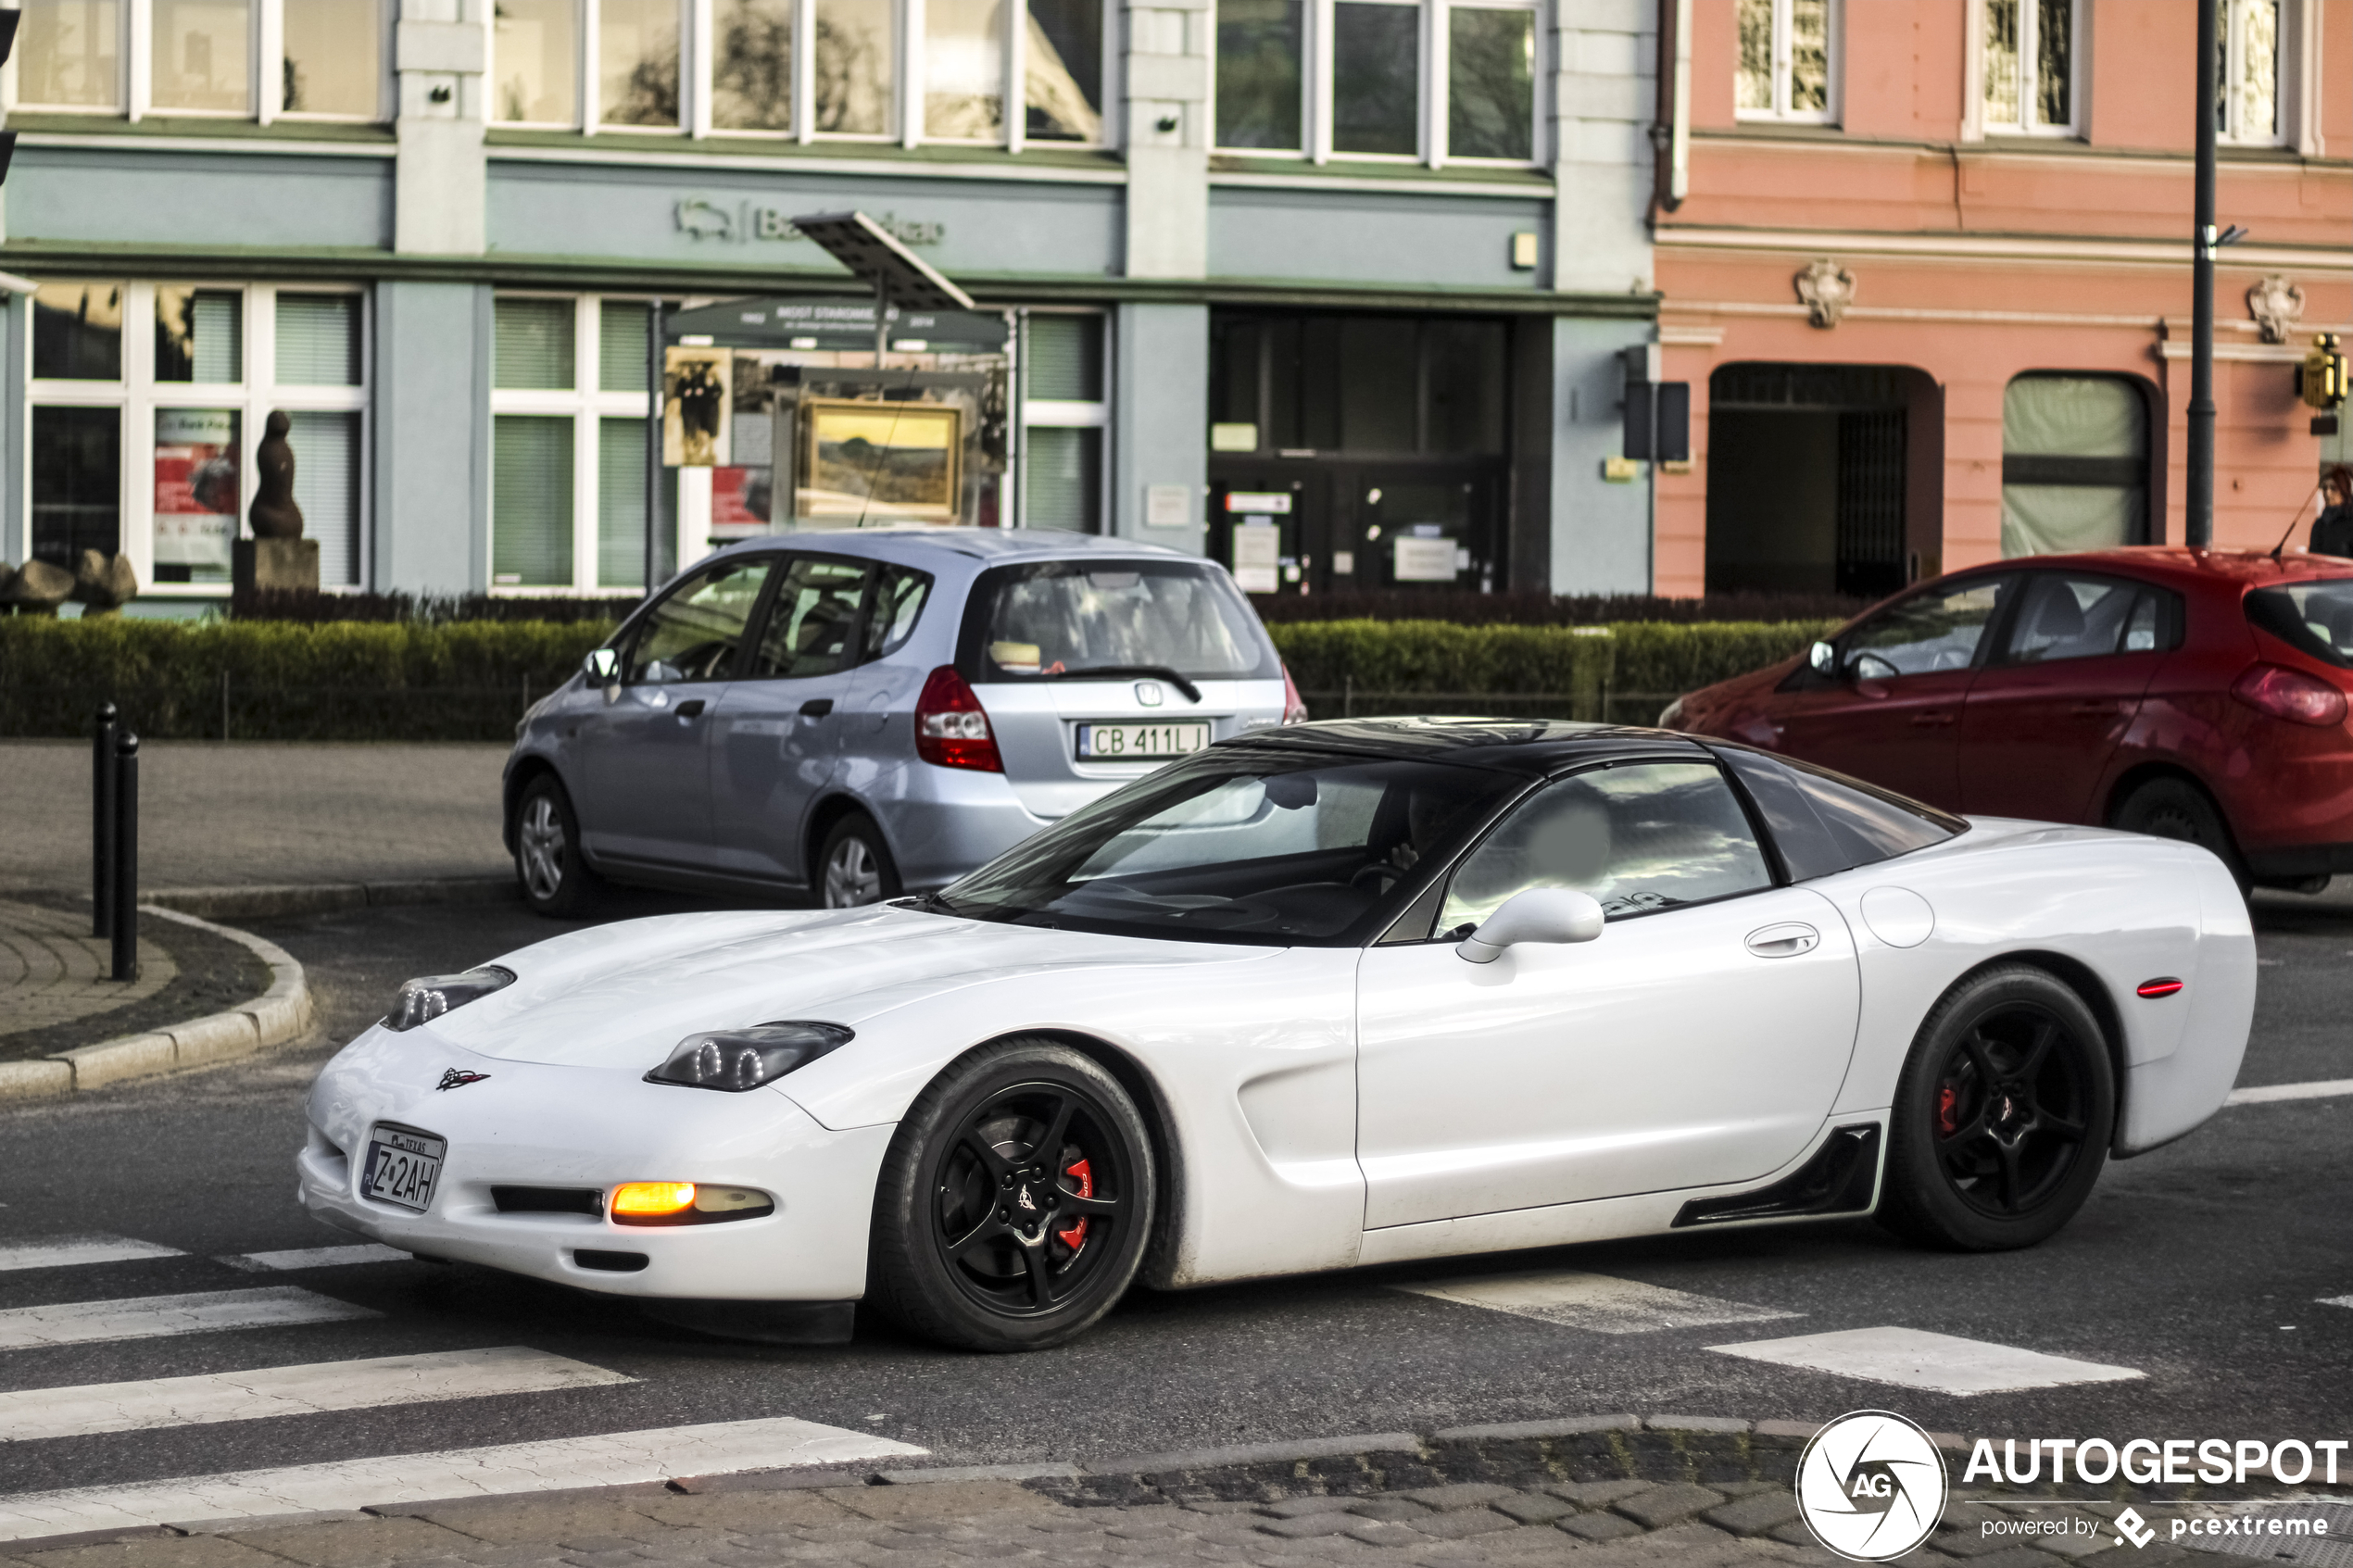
(2316, 618)
(1232, 846)
(1055, 619)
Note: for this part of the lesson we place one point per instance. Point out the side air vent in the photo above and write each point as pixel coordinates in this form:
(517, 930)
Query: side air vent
(1840, 1179)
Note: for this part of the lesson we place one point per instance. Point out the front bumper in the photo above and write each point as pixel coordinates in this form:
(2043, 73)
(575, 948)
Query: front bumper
(531, 1124)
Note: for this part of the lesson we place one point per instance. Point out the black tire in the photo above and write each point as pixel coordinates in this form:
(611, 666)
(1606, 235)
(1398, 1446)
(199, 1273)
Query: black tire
(2003, 1116)
(953, 1258)
(555, 879)
(2174, 807)
(854, 867)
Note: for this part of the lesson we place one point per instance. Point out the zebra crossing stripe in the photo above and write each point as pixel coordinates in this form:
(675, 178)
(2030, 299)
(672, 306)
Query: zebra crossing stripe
(314, 1257)
(1596, 1302)
(146, 1317)
(30, 1413)
(63, 1251)
(616, 1459)
(1913, 1358)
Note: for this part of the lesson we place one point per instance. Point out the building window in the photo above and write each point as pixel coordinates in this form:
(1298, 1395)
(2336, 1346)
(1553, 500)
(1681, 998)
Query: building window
(996, 73)
(1785, 66)
(568, 445)
(2029, 63)
(148, 400)
(1434, 81)
(2074, 464)
(1063, 416)
(317, 59)
(2246, 103)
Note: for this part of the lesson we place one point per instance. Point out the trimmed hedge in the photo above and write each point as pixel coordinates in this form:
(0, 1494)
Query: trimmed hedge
(472, 680)
(333, 681)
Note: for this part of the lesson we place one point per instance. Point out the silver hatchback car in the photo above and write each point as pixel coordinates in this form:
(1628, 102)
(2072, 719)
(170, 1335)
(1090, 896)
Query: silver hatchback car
(861, 714)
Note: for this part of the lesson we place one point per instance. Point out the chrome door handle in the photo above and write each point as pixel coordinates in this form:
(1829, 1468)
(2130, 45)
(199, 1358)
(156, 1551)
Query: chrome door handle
(1785, 941)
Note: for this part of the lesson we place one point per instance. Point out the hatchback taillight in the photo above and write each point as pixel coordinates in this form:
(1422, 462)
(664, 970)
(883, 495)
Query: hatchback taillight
(952, 729)
(1294, 705)
(2290, 694)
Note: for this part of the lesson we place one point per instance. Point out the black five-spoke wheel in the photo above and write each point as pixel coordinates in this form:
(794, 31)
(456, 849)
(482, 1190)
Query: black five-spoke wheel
(1015, 1202)
(2004, 1114)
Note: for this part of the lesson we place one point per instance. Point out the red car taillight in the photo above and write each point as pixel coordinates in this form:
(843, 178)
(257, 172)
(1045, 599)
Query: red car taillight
(952, 729)
(1294, 705)
(2290, 694)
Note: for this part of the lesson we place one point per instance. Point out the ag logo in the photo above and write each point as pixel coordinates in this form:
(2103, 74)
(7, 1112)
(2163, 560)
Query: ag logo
(1872, 1485)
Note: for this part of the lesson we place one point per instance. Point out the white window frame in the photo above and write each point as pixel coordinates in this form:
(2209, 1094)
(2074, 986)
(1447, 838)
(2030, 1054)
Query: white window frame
(2288, 41)
(134, 86)
(139, 394)
(698, 51)
(583, 403)
(1834, 26)
(2030, 22)
(1434, 36)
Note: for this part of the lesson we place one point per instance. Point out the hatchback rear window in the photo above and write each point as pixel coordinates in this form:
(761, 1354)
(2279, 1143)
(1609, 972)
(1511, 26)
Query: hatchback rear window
(2314, 618)
(1055, 619)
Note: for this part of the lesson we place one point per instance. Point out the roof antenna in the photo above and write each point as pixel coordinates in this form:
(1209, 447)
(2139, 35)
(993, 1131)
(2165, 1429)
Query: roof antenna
(2293, 521)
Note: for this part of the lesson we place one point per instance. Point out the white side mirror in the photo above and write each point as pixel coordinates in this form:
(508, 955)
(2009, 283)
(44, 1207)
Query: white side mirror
(1540, 914)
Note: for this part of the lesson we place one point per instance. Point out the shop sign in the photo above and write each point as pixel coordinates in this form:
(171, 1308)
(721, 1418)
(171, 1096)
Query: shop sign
(742, 222)
(196, 487)
(1258, 554)
(1424, 560)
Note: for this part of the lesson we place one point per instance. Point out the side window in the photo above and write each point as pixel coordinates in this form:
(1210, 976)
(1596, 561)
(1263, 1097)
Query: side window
(695, 633)
(901, 593)
(2062, 616)
(1823, 821)
(1642, 837)
(812, 627)
(1925, 633)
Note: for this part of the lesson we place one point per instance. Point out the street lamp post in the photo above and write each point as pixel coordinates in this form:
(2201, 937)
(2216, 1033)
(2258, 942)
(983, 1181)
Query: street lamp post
(2199, 503)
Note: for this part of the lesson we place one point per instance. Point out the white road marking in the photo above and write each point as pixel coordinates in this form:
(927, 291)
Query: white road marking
(2264, 1094)
(2336, 1301)
(143, 1317)
(61, 1251)
(1592, 1302)
(615, 1459)
(28, 1413)
(315, 1258)
(1911, 1358)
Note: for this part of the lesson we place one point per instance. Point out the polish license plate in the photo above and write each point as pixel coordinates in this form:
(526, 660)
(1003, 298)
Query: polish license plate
(1138, 743)
(404, 1166)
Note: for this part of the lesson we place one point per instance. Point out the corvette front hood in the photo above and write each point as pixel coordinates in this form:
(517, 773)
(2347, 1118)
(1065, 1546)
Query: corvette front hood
(622, 995)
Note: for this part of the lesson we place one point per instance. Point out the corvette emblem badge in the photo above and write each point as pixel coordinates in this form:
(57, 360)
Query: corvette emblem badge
(1026, 1201)
(454, 1079)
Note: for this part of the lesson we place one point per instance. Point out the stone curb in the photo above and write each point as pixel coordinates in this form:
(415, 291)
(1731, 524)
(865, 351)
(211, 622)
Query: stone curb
(323, 897)
(272, 1018)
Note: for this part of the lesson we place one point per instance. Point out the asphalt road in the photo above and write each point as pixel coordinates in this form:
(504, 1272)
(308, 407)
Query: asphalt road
(2201, 1265)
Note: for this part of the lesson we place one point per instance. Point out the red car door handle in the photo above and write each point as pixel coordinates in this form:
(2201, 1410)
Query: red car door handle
(1931, 718)
(2092, 710)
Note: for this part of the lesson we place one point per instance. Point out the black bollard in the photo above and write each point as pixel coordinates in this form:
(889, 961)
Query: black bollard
(102, 824)
(126, 857)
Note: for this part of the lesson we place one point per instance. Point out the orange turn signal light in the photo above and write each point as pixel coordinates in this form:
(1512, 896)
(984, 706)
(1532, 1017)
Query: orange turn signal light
(653, 1198)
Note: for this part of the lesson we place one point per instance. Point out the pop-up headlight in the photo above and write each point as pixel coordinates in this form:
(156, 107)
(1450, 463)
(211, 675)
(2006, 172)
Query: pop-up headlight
(736, 1059)
(429, 995)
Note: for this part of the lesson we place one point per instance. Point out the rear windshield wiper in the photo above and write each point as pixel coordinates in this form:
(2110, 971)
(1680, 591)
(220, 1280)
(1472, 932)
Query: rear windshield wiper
(1162, 670)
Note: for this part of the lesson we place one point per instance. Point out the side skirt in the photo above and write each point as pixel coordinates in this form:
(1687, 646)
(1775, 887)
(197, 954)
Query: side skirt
(1842, 1178)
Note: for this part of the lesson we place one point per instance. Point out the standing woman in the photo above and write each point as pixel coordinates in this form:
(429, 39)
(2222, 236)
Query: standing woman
(2333, 530)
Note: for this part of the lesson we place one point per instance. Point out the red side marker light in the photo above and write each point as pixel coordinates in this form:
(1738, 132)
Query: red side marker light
(2164, 987)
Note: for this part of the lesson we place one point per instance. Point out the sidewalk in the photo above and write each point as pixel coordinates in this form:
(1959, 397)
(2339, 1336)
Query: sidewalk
(53, 971)
(260, 813)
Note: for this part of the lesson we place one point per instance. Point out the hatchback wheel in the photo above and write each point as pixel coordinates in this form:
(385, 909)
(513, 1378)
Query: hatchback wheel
(854, 867)
(2170, 807)
(556, 880)
(2003, 1116)
(1014, 1203)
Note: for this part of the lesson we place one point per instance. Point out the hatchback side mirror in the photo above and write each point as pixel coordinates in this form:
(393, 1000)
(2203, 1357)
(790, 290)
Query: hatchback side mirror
(1540, 914)
(1823, 657)
(602, 667)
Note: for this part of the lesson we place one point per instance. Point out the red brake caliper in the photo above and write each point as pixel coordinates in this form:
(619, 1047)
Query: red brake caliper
(1948, 1120)
(1084, 1174)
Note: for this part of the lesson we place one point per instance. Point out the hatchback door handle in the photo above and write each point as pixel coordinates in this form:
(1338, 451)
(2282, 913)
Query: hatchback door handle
(1785, 941)
(1931, 718)
(2095, 709)
(817, 708)
(691, 707)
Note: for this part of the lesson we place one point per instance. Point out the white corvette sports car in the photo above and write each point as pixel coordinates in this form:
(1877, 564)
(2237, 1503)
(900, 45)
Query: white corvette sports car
(1339, 994)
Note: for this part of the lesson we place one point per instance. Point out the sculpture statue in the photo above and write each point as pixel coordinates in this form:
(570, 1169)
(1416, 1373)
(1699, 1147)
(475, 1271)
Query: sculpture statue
(104, 582)
(274, 514)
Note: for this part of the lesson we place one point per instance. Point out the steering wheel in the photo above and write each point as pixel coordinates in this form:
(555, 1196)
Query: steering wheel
(1376, 878)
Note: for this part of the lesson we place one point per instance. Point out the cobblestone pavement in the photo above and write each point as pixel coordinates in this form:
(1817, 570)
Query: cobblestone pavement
(53, 971)
(262, 812)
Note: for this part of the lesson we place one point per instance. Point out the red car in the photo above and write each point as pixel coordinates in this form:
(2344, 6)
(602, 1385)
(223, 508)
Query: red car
(2194, 693)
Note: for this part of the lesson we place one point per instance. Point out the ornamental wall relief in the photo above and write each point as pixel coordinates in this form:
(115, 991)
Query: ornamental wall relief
(1827, 289)
(2277, 305)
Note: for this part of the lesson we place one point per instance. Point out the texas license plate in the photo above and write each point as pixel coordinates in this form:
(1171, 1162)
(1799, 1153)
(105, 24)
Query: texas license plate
(1138, 743)
(403, 1168)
